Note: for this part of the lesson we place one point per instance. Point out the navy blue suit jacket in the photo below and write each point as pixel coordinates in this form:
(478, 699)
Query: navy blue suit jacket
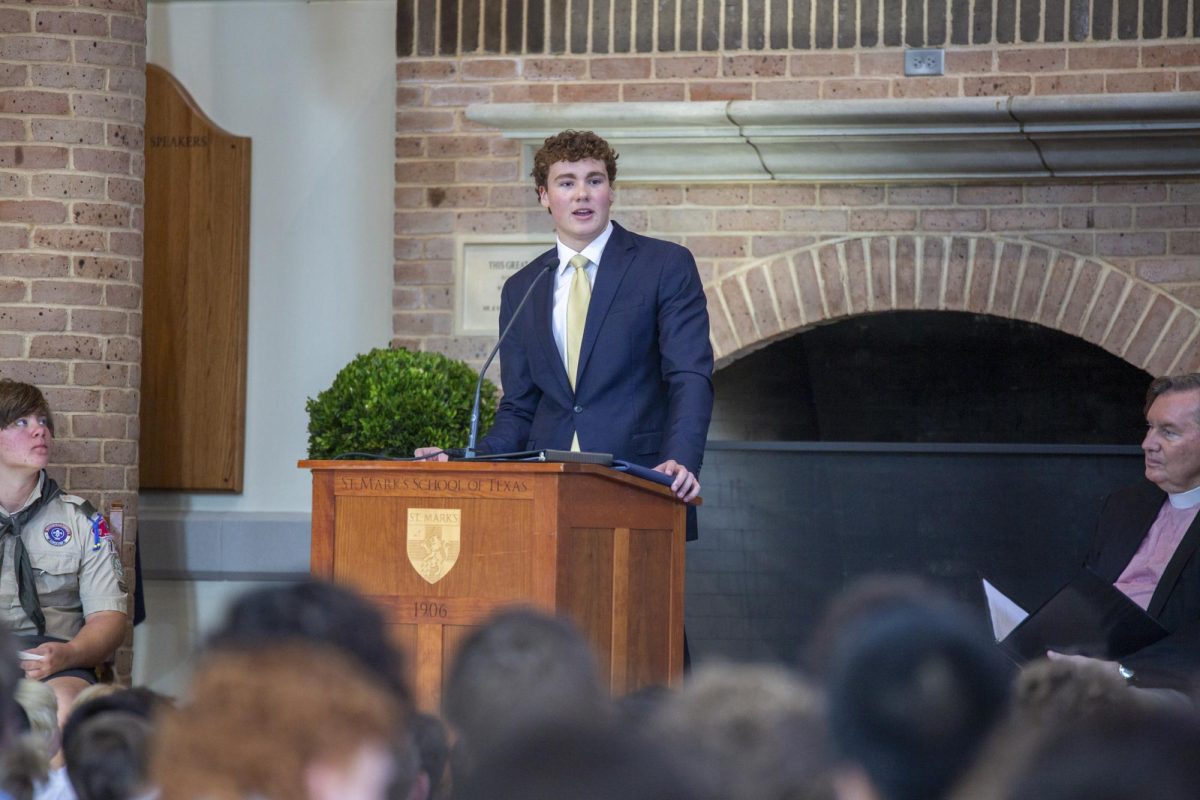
(1125, 519)
(644, 385)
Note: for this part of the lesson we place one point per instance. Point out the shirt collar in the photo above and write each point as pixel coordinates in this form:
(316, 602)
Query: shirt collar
(1185, 499)
(593, 251)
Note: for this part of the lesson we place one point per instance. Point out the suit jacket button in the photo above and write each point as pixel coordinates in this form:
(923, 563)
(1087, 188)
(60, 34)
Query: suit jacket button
(578, 409)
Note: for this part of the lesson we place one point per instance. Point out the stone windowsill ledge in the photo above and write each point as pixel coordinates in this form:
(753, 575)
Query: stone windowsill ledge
(962, 138)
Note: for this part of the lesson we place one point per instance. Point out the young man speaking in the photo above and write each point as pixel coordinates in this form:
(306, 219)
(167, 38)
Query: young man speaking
(611, 353)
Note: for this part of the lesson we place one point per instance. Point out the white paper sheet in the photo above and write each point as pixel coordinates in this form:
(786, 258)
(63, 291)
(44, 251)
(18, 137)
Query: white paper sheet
(1006, 614)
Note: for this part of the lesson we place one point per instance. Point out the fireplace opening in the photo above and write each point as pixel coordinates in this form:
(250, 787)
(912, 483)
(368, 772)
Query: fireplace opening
(942, 444)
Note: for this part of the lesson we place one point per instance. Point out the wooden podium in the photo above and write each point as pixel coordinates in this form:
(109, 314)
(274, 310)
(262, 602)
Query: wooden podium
(441, 546)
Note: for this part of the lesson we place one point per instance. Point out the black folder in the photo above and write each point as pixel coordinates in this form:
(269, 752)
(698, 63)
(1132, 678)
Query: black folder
(1089, 616)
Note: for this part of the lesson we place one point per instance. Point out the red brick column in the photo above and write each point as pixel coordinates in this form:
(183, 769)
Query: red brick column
(72, 109)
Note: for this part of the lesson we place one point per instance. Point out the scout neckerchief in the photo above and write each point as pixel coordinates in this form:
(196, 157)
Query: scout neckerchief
(11, 526)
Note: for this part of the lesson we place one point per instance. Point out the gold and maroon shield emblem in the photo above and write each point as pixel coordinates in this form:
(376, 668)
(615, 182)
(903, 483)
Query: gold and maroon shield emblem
(434, 540)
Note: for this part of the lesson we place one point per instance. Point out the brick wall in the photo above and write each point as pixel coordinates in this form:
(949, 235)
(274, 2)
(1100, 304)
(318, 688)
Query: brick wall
(454, 176)
(72, 106)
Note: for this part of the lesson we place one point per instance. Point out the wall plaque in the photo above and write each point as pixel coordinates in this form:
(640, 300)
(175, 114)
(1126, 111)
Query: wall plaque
(482, 266)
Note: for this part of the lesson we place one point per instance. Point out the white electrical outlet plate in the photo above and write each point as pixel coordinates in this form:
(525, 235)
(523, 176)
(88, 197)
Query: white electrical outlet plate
(924, 62)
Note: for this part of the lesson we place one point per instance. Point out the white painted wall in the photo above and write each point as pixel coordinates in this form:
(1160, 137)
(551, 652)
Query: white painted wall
(312, 83)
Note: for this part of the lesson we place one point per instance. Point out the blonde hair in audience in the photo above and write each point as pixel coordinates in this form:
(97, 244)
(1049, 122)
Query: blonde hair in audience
(94, 692)
(257, 719)
(37, 699)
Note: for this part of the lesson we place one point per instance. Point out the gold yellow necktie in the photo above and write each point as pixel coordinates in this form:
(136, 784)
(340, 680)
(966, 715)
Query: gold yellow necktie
(577, 306)
(578, 299)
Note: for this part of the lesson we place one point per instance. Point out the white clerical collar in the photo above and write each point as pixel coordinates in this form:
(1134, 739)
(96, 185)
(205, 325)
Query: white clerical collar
(592, 252)
(1185, 499)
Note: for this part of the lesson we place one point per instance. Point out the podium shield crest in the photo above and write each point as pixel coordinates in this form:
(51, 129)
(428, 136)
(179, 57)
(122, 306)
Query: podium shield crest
(434, 538)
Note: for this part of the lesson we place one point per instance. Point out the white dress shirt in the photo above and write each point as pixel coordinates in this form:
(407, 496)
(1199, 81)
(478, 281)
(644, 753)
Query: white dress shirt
(562, 284)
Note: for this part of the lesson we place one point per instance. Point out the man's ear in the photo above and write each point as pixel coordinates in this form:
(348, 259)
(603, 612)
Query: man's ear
(542, 198)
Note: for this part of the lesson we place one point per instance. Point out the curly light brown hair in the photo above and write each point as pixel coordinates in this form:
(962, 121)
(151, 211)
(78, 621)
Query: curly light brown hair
(257, 719)
(572, 146)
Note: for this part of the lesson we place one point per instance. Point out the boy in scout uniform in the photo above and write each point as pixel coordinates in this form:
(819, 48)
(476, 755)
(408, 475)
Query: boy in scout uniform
(61, 585)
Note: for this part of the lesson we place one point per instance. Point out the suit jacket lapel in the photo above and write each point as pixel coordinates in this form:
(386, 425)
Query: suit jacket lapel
(543, 322)
(1185, 550)
(618, 255)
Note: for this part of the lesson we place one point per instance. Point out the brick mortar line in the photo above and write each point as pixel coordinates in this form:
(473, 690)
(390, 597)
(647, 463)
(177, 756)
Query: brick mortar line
(1126, 290)
(795, 281)
(947, 252)
(839, 251)
(1019, 282)
(751, 306)
(1137, 326)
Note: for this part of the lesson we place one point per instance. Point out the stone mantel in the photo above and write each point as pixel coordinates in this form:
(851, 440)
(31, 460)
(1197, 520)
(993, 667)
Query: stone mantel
(961, 138)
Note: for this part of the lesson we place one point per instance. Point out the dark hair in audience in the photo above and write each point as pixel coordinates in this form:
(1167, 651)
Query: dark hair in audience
(424, 751)
(863, 597)
(10, 675)
(1123, 755)
(913, 693)
(140, 702)
(22, 761)
(580, 762)
(522, 667)
(108, 756)
(1167, 384)
(434, 748)
(316, 611)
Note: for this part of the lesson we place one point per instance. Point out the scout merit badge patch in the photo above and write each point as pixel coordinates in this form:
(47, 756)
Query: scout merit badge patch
(57, 535)
(434, 539)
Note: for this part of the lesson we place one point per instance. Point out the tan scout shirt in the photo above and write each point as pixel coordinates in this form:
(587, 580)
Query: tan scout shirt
(77, 572)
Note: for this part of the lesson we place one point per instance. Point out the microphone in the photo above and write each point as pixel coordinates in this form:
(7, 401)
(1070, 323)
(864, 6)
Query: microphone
(469, 451)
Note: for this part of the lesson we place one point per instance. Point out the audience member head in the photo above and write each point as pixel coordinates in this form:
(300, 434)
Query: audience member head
(751, 732)
(1050, 692)
(11, 674)
(521, 668)
(580, 762)
(22, 763)
(913, 693)
(1046, 695)
(283, 722)
(421, 761)
(41, 710)
(107, 757)
(141, 702)
(863, 597)
(98, 690)
(1121, 754)
(321, 612)
(19, 400)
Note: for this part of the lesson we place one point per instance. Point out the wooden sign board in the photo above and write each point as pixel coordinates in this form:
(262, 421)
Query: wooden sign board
(195, 295)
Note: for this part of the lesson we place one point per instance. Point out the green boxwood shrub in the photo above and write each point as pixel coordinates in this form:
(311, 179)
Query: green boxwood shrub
(391, 401)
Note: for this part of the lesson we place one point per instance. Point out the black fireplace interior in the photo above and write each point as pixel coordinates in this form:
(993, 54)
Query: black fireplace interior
(941, 444)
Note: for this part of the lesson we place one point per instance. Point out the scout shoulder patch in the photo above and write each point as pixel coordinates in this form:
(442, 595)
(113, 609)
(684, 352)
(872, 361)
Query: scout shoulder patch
(101, 533)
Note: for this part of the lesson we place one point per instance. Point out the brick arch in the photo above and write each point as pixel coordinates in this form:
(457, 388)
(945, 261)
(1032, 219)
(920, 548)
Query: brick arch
(764, 301)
